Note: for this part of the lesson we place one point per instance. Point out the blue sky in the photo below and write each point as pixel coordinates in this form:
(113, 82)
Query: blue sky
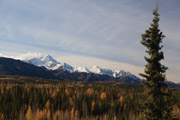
(88, 31)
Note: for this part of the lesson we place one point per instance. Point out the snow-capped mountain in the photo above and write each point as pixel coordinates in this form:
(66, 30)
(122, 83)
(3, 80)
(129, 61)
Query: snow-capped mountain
(50, 63)
(112, 73)
(36, 62)
(123, 73)
(66, 67)
(98, 70)
(46, 61)
(81, 69)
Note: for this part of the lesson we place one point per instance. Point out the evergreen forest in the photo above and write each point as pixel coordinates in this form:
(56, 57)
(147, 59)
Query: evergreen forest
(75, 101)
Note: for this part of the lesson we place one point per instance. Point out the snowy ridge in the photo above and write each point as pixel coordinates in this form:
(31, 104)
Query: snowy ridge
(46, 61)
(50, 63)
(81, 69)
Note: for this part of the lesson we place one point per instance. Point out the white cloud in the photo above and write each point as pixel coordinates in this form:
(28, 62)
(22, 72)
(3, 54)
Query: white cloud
(2, 55)
(28, 55)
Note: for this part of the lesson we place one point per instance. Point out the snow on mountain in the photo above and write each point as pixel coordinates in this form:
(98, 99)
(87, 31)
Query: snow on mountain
(46, 61)
(50, 63)
(66, 67)
(128, 74)
(36, 62)
(98, 70)
(112, 73)
(81, 69)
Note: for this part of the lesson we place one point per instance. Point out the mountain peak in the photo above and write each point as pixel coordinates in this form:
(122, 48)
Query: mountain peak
(49, 58)
(95, 67)
(47, 61)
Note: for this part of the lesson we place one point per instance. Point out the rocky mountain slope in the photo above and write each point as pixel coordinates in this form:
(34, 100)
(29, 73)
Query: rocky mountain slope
(10, 66)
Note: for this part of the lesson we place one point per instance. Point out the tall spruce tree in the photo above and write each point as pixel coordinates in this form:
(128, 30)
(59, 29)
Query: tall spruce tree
(157, 105)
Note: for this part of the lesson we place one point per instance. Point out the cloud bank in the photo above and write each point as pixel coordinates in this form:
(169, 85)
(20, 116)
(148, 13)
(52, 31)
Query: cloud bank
(103, 29)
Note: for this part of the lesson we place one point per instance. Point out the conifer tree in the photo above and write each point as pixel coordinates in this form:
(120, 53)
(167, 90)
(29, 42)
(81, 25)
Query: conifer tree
(157, 105)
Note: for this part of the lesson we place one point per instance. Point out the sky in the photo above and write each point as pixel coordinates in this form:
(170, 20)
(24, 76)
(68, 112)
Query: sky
(105, 33)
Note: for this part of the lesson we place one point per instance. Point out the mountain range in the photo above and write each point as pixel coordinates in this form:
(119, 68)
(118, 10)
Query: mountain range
(47, 67)
(50, 63)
